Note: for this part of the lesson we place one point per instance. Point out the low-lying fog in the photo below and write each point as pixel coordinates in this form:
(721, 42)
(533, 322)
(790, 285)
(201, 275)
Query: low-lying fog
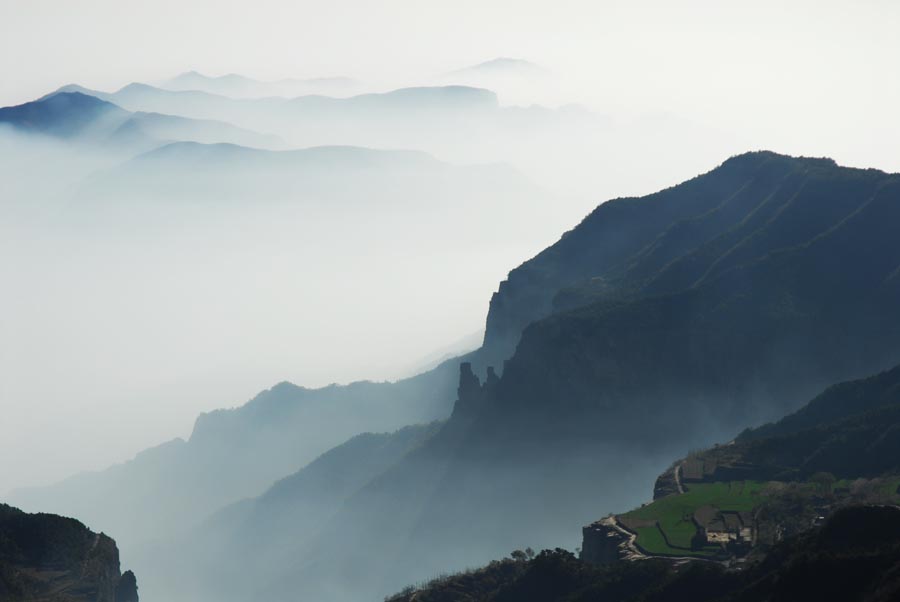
(126, 311)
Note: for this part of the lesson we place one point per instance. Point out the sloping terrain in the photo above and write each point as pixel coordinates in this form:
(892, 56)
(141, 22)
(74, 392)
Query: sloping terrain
(851, 430)
(840, 448)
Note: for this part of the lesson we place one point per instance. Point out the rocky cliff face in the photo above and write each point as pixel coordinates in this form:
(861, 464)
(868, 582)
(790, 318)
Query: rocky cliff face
(603, 543)
(48, 557)
(624, 243)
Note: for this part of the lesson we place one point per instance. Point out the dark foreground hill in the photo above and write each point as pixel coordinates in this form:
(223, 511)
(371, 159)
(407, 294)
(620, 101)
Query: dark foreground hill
(48, 557)
(853, 556)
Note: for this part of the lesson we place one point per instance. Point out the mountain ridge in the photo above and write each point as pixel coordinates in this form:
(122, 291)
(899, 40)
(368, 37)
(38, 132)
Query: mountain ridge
(574, 395)
(79, 114)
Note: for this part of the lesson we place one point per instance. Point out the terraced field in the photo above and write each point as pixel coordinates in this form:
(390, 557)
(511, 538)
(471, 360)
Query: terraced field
(666, 526)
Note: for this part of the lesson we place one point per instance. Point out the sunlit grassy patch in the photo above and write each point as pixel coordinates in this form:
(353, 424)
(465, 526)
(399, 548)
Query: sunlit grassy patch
(674, 515)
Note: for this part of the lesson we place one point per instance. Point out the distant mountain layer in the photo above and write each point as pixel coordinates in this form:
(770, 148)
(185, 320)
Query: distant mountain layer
(417, 117)
(234, 454)
(64, 115)
(240, 86)
(501, 65)
(48, 557)
(351, 176)
(202, 104)
(79, 115)
(260, 536)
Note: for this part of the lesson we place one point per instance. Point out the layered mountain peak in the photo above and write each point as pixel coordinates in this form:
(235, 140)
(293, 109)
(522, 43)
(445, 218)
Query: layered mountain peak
(63, 114)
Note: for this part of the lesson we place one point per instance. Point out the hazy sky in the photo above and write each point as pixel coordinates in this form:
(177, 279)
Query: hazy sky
(802, 77)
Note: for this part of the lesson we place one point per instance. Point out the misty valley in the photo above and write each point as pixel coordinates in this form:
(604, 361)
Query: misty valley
(320, 339)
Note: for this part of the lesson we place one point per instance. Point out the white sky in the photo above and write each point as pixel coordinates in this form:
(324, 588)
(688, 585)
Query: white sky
(802, 77)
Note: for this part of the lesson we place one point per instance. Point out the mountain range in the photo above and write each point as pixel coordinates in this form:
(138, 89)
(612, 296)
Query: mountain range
(76, 116)
(278, 112)
(658, 324)
(383, 180)
(240, 86)
(447, 119)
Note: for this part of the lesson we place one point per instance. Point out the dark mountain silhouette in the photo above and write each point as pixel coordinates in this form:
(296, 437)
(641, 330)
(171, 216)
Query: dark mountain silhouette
(74, 113)
(48, 557)
(679, 318)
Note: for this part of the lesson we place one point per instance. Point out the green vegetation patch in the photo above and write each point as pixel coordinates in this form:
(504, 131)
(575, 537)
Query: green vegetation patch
(673, 515)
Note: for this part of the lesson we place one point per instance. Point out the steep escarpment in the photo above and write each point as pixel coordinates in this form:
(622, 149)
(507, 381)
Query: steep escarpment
(766, 332)
(48, 557)
(750, 206)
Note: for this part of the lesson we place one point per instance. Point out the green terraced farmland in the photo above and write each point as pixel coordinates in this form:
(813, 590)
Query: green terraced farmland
(673, 515)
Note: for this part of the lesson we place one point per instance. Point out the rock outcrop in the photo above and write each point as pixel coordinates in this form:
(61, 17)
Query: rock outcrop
(603, 542)
(126, 590)
(49, 557)
(667, 482)
(471, 393)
